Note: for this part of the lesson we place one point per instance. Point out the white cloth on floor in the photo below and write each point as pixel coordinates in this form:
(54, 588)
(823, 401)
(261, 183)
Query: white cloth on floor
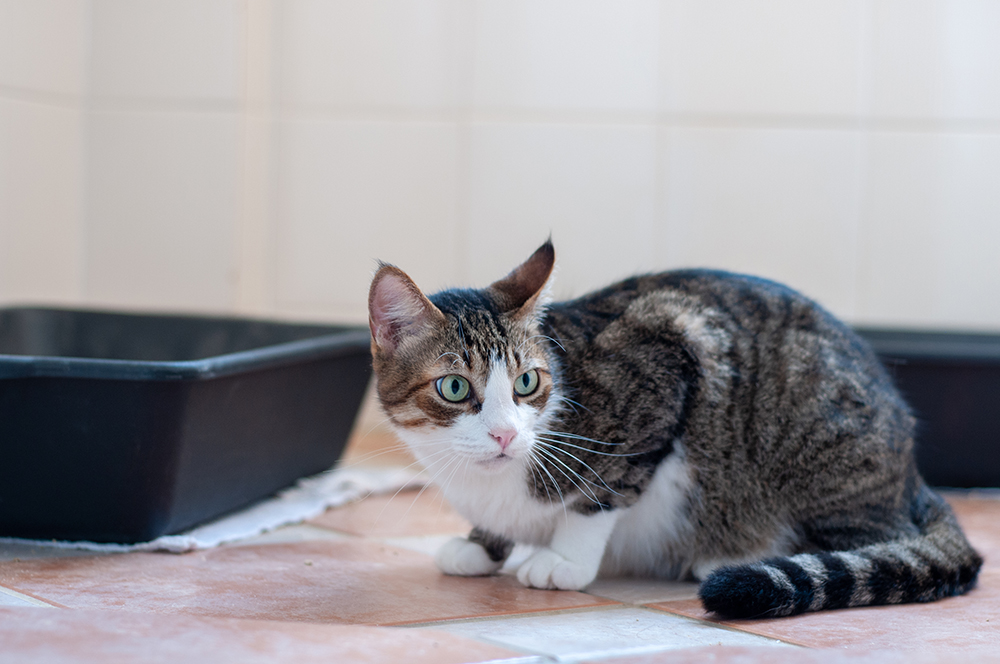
(310, 497)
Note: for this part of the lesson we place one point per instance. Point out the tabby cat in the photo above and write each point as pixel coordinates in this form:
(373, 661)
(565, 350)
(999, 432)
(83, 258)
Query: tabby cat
(686, 425)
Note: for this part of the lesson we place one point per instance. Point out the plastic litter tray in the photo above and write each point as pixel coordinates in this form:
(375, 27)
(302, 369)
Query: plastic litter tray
(124, 427)
(952, 382)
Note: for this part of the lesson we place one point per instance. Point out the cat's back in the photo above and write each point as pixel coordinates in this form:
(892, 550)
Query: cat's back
(786, 374)
(745, 307)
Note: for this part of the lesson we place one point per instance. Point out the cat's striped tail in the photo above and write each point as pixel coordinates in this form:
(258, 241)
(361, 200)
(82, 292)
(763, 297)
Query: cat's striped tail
(923, 568)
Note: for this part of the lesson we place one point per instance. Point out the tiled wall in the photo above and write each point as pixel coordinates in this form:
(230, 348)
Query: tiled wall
(258, 156)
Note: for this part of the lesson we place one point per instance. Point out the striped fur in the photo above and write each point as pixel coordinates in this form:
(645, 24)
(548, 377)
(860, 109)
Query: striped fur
(698, 424)
(935, 564)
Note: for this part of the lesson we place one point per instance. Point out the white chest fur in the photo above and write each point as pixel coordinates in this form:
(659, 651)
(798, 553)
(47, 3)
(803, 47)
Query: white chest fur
(651, 537)
(502, 504)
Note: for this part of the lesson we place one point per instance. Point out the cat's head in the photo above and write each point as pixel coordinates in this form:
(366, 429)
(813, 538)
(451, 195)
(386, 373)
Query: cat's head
(464, 375)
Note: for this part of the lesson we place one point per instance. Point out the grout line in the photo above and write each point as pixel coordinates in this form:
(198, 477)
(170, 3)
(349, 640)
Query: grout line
(84, 238)
(165, 105)
(726, 626)
(61, 100)
(466, 116)
(612, 606)
(464, 16)
(615, 606)
(675, 119)
(26, 598)
(252, 264)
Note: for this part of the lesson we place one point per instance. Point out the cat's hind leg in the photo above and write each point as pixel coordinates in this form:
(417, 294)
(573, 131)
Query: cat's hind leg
(935, 562)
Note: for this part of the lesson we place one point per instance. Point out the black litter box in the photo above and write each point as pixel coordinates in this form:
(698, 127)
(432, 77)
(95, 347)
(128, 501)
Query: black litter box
(952, 382)
(124, 427)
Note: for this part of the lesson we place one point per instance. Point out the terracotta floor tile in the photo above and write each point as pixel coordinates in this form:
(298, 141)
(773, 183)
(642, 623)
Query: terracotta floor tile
(643, 591)
(350, 581)
(769, 655)
(295, 533)
(20, 550)
(408, 513)
(376, 446)
(426, 544)
(980, 518)
(106, 637)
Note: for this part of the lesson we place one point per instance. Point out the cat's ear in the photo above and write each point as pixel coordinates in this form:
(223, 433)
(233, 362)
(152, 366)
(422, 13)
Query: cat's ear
(526, 288)
(397, 308)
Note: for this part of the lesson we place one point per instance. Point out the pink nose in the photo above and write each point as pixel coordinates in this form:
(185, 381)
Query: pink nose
(503, 437)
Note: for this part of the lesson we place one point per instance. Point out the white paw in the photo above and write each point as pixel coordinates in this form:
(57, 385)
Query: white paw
(547, 569)
(460, 557)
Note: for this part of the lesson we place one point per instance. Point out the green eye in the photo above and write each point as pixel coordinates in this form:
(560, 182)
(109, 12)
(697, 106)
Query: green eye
(453, 388)
(526, 383)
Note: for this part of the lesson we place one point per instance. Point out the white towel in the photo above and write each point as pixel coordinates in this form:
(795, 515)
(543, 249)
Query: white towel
(310, 497)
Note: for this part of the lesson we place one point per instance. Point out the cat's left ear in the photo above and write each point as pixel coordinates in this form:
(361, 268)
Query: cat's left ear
(526, 290)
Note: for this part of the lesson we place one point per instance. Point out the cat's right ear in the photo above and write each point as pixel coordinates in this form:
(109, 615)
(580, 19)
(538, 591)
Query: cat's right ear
(397, 309)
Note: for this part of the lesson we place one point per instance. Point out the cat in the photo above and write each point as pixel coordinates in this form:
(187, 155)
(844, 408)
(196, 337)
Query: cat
(691, 424)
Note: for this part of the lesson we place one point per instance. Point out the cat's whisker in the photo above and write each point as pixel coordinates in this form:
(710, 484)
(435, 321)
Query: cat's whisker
(592, 494)
(381, 422)
(441, 468)
(534, 474)
(574, 436)
(584, 490)
(571, 402)
(451, 476)
(424, 465)
(541, 336)
(400, 489)
(534, 480)
(587, 449)
(458, 358)
(461, 336)
(555, 485)
(426, 486)
(372, 455)
(582, 463)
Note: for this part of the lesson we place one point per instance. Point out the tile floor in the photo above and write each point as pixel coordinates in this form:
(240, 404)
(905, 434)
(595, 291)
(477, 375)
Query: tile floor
(358, 584)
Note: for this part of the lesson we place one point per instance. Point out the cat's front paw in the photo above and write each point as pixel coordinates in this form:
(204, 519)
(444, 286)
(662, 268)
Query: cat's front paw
(460, 557)
(548, 570)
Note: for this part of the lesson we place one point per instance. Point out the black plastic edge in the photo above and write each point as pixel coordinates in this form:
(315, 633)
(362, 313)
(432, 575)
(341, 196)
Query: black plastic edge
(939, 347)
(338, 344)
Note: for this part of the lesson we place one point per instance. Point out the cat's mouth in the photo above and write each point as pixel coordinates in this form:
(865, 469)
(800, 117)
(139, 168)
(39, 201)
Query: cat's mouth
(497, 461)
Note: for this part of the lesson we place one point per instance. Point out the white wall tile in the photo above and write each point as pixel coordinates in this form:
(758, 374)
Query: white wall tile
(351, 193)
(781, 204)
(41, 152)
(43, 45)
(161, 212)
(360, 54)
(593, 187)
(166, 49)
(931, 231)
(936, 58)
(567, 54)
(781, 57)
